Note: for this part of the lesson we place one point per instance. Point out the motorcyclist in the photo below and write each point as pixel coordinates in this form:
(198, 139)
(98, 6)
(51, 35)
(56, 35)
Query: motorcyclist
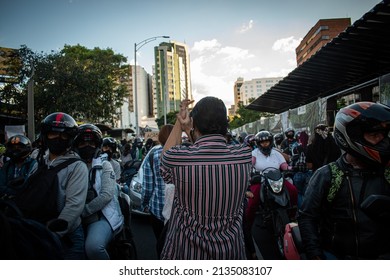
(332, 222)
(231, 138)
(263, 157)
(136, 149)
(278, 139)
(110, 147)
(250, 141)
(101, 215)
(242, 136)
(16, 170)
(289, 142)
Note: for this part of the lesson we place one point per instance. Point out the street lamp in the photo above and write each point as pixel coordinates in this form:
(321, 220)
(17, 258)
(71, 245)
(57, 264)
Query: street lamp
(136, 48)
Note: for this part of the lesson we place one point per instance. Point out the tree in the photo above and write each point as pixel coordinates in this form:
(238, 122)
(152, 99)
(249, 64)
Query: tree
(13, 95)
(171, 119)
(87, 84)
(245, 116)
(81, 82)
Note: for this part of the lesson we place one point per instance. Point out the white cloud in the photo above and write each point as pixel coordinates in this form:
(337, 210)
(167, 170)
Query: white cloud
(286, 44)
(215, 68)
(203, 46)
(246, 26)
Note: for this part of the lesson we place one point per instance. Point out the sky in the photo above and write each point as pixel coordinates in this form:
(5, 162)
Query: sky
(226, 39)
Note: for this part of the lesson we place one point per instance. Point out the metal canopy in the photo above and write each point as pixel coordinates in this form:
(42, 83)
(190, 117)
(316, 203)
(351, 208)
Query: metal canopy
(357, 55)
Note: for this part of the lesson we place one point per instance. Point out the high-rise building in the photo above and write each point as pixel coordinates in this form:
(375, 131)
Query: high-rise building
(172, 76)
(144, 93)
(319, 35)
(237, 93)
(252, 89)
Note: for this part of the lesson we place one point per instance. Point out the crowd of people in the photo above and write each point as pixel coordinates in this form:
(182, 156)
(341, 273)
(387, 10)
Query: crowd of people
(197, 183)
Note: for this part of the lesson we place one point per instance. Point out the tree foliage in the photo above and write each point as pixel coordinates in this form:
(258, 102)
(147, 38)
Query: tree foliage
(85, 83)
(244, 116)
(171, 119)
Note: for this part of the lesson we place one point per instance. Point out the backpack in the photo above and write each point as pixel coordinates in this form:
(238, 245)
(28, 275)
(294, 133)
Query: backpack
(38, 199)
(25, 239)
(337, 177)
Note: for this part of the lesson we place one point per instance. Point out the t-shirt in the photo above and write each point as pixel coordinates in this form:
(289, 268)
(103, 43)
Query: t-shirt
(275, 159)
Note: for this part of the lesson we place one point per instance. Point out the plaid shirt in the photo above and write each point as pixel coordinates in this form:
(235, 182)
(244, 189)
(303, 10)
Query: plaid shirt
(153, 185)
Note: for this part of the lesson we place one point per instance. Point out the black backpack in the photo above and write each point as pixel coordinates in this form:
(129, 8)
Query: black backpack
(38, 199)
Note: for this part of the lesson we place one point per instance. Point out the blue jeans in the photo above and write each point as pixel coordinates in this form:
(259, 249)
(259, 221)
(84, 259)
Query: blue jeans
(99, 234)
(300, 182)
(73, 244)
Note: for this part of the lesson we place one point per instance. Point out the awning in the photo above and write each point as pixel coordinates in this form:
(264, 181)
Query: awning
(357, 55)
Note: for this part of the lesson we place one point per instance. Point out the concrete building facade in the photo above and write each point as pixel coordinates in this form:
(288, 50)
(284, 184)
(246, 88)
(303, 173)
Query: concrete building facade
(172, 77)
(319, 35)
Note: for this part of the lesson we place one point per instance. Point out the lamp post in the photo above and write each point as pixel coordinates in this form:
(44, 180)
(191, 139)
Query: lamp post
(136, 48)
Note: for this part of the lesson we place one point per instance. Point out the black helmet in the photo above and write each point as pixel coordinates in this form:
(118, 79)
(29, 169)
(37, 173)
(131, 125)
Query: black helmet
(138, 142)
(88, 132)
(264, 136)
(18, 147)
(353, 121)
(250, 140)
(289, 133)
(242, 136)
(278, 138)
(59, 122)
(110, 142)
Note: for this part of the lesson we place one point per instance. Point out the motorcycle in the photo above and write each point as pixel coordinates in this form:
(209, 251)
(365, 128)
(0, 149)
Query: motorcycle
(275, 205)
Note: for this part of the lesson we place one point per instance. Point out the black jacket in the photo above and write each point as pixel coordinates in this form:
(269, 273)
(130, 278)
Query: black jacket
(340, 226)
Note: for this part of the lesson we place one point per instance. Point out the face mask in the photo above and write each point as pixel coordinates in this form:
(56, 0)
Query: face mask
(87, 153)
(57, 146)
(290, 136)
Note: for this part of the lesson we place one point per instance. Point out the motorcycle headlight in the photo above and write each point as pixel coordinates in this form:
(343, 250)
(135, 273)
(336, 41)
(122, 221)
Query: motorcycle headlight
(276, 186)
(137, 187)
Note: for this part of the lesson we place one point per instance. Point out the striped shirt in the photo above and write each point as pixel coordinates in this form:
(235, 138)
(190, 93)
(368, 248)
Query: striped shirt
(206, 220)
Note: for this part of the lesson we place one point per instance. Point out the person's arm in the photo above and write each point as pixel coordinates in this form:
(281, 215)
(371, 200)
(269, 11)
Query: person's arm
(106, 193)
(183, 123)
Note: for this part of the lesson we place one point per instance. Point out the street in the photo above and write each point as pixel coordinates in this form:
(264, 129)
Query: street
(144, 239)
(146, 242)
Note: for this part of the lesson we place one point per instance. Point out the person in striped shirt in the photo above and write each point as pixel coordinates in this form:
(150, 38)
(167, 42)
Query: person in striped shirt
(210, 179)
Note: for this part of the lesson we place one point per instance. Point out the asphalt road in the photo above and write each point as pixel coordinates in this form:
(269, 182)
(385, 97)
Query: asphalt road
(144, 239)
(146, 243)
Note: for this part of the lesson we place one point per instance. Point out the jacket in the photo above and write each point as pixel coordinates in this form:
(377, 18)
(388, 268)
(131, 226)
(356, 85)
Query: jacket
(340, 226)
(73, 186)
(106, 200)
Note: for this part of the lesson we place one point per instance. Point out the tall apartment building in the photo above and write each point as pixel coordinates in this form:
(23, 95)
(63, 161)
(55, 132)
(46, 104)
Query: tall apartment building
(172, 76)
(319, 35)
(237, 92)
(254, 88)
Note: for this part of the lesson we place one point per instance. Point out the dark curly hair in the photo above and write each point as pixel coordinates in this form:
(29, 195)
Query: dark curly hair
(209, 116)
